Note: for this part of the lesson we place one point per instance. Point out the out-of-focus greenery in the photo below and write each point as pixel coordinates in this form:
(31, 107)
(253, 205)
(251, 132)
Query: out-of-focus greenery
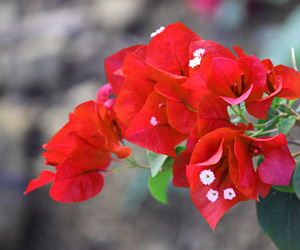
(276, 41)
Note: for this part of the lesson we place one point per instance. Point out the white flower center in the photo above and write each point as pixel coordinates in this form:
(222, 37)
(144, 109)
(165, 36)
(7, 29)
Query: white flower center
(153, 121)
(198, 55)
(212, 195)
(229, 194)
(153, 34)
(195, 62)
(207, 177)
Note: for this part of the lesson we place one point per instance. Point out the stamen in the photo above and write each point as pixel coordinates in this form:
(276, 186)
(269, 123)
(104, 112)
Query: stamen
(271, 86)
(243, 81)
(161, 105)
(255, 149)
(212, 195)
(234, 89)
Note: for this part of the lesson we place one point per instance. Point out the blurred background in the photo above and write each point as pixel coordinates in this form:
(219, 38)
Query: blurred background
(52, 58)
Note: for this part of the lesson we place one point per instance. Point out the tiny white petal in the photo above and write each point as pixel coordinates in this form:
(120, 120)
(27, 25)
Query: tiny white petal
(229, 194)
(153, 121)
(207, 177)
(153, 34)
(195, 62)
(212, 195)
(198, 53)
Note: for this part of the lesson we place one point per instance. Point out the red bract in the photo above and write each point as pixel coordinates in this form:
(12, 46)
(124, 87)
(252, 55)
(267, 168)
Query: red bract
(221, 171)
(162, 71)
(212, 115)
(236, 81)
(114, 63)
(282, 82)
(151, 130)
(278, 164)
(179, 169)
(169, 50)
(80, 151)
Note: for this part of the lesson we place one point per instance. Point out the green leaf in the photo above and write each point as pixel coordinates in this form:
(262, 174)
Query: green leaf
(156, 161)
(280, 100)
(286, 189)
(179, 149)
(277, 101)
(296, 180)
(286, 124)
(158, 185)
(279, 217)
(271, 123)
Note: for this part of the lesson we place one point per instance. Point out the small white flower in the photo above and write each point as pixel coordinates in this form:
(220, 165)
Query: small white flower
(153, 121)
(198, 53)
(212, 195)
(195, 62)
(207, 177)
(153, 34)
(229, 194)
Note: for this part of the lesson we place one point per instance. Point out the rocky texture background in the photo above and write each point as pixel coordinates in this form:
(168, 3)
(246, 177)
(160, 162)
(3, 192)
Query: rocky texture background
(51, 59)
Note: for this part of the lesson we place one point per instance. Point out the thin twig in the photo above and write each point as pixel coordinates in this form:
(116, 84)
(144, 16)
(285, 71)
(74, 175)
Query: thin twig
(296, 154)
(293, 141)
(292, 51)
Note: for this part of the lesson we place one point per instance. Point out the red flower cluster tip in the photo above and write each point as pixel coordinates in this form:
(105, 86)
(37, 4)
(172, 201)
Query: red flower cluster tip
(81, 150)
(178, 88)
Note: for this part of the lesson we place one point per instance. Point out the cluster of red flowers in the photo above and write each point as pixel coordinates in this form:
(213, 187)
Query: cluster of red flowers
(177, 88)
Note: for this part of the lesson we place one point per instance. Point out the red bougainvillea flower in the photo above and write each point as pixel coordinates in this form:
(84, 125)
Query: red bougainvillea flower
(114, 63)
(212, 115)
(169, 49)
(236, 81)
(282, 81)
(151, 103)
(221, 171)
(79, 152)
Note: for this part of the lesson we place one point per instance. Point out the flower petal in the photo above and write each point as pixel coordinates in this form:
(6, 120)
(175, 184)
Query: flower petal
(44, 178)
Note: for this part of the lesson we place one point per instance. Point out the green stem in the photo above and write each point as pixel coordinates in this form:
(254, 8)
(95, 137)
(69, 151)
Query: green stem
(258, 132)
(270, 122)
(265, 132)
(241, 114)
(184, 102)
(234, 111)
(291, 111)
(134, 163)
(121, 169)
